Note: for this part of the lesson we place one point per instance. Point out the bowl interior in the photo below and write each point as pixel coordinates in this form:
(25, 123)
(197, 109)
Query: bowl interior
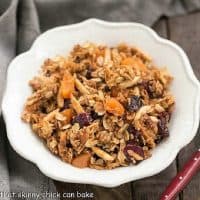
(60, 42)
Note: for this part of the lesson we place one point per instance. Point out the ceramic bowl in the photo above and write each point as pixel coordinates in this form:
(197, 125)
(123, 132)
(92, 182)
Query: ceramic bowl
(59, 41)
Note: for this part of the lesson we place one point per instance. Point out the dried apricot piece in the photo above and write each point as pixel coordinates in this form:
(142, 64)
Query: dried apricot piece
(67, 85)
(83, 137)
(135, 62)
(128, 61)
(82, 160)
(68, 114)
(113, 106)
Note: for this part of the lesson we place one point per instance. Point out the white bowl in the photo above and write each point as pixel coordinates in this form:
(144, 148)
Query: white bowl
(59, 41)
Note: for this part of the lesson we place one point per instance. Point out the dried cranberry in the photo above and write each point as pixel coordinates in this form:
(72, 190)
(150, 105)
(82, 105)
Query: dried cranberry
(83, 119)
(134, 104)
(136, 149)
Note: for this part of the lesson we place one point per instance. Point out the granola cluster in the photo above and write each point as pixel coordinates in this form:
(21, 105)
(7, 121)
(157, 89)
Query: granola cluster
(100, 107)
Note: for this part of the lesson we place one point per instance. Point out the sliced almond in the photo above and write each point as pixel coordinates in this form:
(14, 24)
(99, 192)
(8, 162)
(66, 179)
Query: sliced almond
(143, 110)
(123, 128)
(107, 56)
(81, 87)
(102, 154)
(135, 155)
(60, 99)
(51, 115)
(129, 83)
(76, 105)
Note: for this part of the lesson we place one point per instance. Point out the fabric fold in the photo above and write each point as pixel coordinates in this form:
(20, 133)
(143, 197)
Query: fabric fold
(20, 24)
(7, 53)
(28, 25)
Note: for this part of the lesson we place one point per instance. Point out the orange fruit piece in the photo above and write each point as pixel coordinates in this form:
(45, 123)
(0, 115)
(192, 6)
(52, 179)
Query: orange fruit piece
(113, 106)
(68, 114)
(67, 85)
(82, 160)
(135, 62)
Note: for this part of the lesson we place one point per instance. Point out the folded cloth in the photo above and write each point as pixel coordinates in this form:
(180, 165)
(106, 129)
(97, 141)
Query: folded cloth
(21, 21)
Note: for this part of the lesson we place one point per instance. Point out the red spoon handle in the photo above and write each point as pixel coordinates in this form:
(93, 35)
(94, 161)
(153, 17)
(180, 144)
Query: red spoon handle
(182, 178)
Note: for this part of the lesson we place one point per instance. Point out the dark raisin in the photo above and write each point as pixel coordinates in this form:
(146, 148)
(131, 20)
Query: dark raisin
(163, 130)
(131, 129)
(147, 85)
(158, 140)
(150, 87)
(43, 109)
(116, 150)
(137, 135)
(66, 104)
(140, 141)
(95, 156)
(106, 89)
(89, 73)
(134, 103)
(48, 73)
(94, 115)
(77, 59)
(69, 145)
(84, 119)
(165, 116)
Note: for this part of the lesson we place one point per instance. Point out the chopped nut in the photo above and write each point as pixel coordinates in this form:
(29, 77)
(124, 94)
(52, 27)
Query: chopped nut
(100, 61)
(102, 154)
(52, 144)
(99, 108)
(123, 128)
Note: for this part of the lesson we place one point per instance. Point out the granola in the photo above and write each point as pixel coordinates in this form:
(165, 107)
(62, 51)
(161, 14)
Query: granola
(100, 107)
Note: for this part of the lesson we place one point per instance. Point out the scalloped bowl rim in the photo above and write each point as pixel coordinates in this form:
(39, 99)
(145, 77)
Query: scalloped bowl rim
(99, 181)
